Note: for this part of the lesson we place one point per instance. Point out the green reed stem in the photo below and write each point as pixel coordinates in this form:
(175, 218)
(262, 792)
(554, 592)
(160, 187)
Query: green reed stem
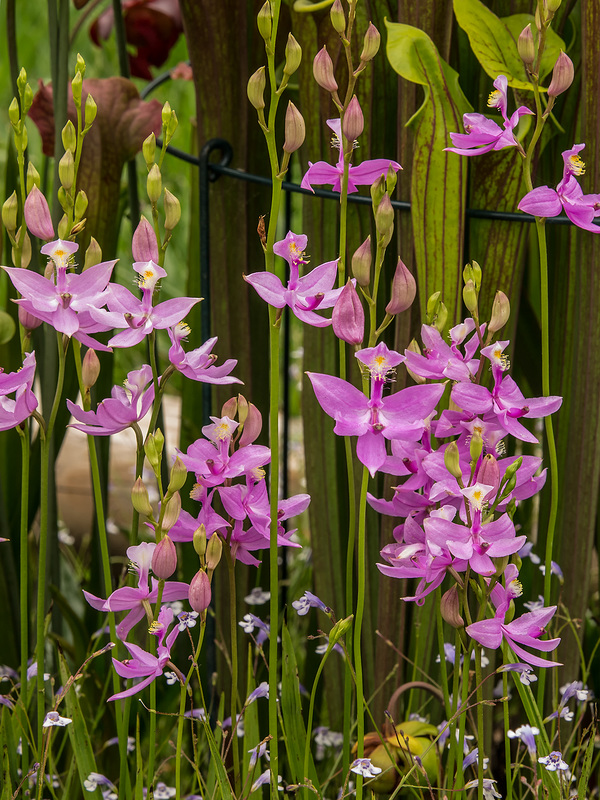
(237, 782)
(24, 582)
(181, 718)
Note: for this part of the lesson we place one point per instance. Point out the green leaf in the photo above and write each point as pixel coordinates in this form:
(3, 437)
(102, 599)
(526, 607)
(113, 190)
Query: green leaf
(251, 729)
(78, 732)
(554, 44)
(291, 711)
(492, 42)
(216, 761)
(438, 190)
(7, 327)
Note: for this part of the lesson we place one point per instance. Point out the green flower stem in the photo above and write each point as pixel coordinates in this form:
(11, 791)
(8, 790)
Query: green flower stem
(234, 667)
(121, 719)
(507, 759)
(24, 583)
(45, 449)
(151, 739)
(181, 719)
(443, 667)
(309, 721)
(454, 706)
(358, 619)
(480, 738)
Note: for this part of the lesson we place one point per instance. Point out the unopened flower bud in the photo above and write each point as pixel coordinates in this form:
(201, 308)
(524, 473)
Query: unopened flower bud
(404, 290)
(64, 226)
(384, 216)
(27, 320)
(470, 297)
(10, 208)
(371, 43)
(354, 121)
(476, 275)
(93, 255)
(66, 170)
(348, 318)
(164, 558)
(293, 56)
(76, 85)
(90, 369)
(230, 408)
(252, 426)
(500, 312)
(562, 75)
(81, 204)
(264, 21)
(452, 460)
(69, 137)
(154, 184)
(33, 177)
(242, 409)
(361, 263)
(323, 71)
(21, 79)
(214, 551)
(501, 563)
(153, 447)
(441, 317)
(256, 88)
(340, 629)
(199, 540)
(489, 472)
(140, 499)
(14, 114)
(553, 6)
(391, 179)
(378, 189)
(80, 64)
(475, 447)
(25, 251)
(450, 608)
(512, 468)
(91, 109)
(143, 244)
(172, 210)
(338, 18)
(526, 46)
(177, 477)
(295, 130)
(149, 149)
(172, 511)
(199, 594)
(166, 114)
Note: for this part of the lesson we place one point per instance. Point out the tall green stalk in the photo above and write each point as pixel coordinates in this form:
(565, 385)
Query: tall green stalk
(24, 582)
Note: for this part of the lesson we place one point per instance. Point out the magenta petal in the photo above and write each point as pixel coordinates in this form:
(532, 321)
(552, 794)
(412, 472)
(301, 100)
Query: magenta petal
(337, 397)
(321, 173)
(529, 658)
(541, 202)
(268, 286)
(488, 632)
(368, 172)
(371, 452)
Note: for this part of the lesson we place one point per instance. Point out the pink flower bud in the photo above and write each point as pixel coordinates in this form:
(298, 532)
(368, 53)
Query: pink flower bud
(143, 245)
(37, 215)
(229, 408)
(164, 558)
(252, 426)
(526, 46)
(489, 472)
(404, 290)
(384, 216)
(354, 122)
(323, 71)
(348, 319)
(500, 312)
(361, 263)
(199, 594)
(295, 130)
(338, 18)
(371, 43)
(562, 75)
(90, 368)
(450, 608)
(27, 320)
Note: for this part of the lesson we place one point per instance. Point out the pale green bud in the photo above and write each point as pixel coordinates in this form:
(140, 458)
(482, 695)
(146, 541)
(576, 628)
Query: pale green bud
(293, 56)
(361, 263)
(526, 46)
(81, 204)
(442, 317)
(166, 114)
(80, 65)
(66, 170)
(9, 213)
(199, 540)
(256, 88)
(432, 306)
(27, 99)
(500, 312)
(338, 18)
(177, 477)
(149, 149)
(172, 511)
(140, 499)
(452, 461)
(91, 109)
(153, 447)
(76, 86)
(264, 20)
(93, 255)
(214, 551)
(371, 43)
(64, 228)
(33, 177)
(13, 112)
(295, 130)
(384, 216)
(470, 297)
(340, 629)
(154, 184)
(21, 79)
(377, 192)
(172, 210)
(475, 446)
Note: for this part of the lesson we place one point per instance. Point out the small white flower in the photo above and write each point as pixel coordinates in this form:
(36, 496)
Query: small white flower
(187, 619)
(364, 767)
(171, 678)
(164, 792)
(53, 718)
(553, 762)
(489, 791)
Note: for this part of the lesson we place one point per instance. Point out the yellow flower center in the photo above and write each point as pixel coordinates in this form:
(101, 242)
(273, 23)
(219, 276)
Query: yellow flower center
(494, 99)
(576, 165)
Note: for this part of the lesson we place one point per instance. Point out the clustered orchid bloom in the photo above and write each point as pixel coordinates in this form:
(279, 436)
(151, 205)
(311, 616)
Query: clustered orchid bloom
(302, 294)
(483, 134)
(15, 411)
(580, 208)
(364, 174)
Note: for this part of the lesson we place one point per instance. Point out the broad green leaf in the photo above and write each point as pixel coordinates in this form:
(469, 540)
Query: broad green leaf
(78, 732)
(7, 327)
(492, 42)
(251, 730)
(216, 761)
(554, 44)
(438, 188)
